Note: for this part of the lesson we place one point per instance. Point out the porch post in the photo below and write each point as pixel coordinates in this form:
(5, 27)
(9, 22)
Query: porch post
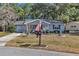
(27, 28)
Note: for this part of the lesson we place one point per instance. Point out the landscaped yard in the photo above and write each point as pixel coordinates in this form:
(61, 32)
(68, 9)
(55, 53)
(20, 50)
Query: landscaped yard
(68, 43)
(3, 33)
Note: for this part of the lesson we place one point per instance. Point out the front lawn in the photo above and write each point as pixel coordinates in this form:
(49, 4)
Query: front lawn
(3, 33)
(69, 43)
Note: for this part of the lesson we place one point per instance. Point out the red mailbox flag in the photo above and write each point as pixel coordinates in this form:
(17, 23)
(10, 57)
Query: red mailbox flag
(38, 27)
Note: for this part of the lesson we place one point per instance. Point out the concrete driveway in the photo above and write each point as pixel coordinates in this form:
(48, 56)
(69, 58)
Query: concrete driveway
(11, 51)
(6, 38)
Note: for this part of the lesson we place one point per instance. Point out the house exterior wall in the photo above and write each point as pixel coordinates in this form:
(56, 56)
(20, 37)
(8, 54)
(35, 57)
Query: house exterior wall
(20, 28)
(56, 25)
(72, 26)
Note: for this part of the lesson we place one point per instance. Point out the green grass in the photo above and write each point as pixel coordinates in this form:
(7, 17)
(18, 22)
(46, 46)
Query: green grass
(3, 33)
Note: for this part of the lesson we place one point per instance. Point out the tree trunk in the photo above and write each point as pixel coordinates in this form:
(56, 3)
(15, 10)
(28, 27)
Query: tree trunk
(4, 26)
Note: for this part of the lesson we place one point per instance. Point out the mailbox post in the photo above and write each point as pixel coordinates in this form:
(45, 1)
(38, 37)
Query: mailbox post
(39, 38)
(38, 32)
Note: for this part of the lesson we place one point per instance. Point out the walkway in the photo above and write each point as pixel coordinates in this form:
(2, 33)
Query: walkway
(6, 38)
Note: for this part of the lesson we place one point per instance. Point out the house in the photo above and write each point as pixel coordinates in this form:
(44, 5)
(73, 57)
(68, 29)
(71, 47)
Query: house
(29, 25)
(72, 27)
(56, 26)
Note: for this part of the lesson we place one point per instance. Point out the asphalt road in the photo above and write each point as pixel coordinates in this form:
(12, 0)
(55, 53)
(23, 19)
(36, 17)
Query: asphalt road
(13, 51)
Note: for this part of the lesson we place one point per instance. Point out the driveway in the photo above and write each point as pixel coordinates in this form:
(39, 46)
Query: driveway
(6, 38)
(12, 51)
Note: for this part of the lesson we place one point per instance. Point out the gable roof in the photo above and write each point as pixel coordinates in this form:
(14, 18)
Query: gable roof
(27, 21)
(40, 20)
(30, 21)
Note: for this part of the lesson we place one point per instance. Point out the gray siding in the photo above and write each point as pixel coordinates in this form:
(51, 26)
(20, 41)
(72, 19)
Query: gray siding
(20, 28)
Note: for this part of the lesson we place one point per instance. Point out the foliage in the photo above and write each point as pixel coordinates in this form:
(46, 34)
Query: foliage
(56, 11)
(64, 18)
(11, 28)
(53, 11)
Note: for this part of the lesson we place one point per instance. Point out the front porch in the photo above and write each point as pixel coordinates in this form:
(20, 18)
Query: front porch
(30, 26)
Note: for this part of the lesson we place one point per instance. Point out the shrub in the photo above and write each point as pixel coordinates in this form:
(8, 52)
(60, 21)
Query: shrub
(11, 28)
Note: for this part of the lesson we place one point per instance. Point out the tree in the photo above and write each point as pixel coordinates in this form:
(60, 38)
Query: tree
(49, 11)
(65, 12)
(74, 12)
(39, 11)
(7, 15)
(23, 10)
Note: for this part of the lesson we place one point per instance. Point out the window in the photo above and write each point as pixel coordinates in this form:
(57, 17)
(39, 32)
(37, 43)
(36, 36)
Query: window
(53, 26)
(73, 26)
(56, 27)
(59, 26)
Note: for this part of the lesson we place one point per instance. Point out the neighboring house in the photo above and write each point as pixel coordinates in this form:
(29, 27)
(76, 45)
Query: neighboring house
(72, 27)
(29, 25)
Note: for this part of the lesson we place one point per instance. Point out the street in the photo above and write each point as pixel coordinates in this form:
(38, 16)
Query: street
(12, 51)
